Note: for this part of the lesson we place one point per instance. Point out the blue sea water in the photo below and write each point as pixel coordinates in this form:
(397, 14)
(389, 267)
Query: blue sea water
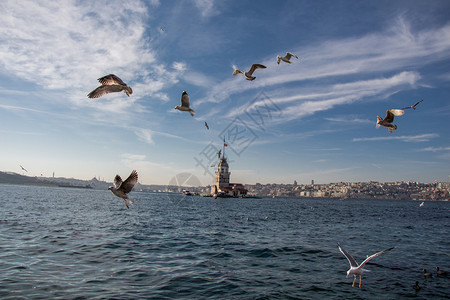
(62, 243)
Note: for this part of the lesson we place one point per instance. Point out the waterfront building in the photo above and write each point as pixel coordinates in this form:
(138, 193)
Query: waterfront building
(223, 187)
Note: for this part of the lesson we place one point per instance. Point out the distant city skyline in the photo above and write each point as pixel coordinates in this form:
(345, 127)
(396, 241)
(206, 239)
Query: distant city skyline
(312, 120)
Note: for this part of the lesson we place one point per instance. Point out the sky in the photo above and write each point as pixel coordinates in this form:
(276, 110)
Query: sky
(314, 119)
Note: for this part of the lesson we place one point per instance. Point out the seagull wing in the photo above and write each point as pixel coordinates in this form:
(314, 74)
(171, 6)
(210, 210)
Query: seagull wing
(117, 181)
(350, 258)
(289, 55)
(185, 99)
(390, 113)
(111, 79)
(417, 103)
(237, 71)
(254, 67)
(105, 89)
(374, 255)
(129, 183)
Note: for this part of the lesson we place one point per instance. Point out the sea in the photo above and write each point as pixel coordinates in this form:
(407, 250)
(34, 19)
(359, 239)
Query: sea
(67, 243)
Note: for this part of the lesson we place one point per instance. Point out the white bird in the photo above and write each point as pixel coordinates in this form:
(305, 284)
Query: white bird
(185, 104)
(413, 106)
(110, 84)
(248, 75)
(421, 204)
(387, 121)
(286, 58)
(355, 269)
(122, 188)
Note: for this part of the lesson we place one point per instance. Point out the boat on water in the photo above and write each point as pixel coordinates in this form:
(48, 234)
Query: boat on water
(187, 193)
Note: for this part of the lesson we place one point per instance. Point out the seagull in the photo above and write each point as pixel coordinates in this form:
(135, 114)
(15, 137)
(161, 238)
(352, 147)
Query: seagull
(185, 104)
(219, 152)
(421, 204)
(206, 125)
(110, 84)
(122, 188)
(287, 58)
(355, 269)
(414, 106)
(426, 274)
(248, 75)
(416, 286)
(440, 273)
(23, 168)
(387, 121)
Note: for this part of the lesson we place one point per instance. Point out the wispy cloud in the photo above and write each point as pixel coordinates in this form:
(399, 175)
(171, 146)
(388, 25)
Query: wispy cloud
(435, 149)
(415, 138)
(349, 119)
(369, 57)
(69, 46)
(206, 7)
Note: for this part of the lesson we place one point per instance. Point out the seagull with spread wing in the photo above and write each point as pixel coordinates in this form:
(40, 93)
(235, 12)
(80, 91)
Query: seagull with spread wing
(413, 106)
(387, 121)
(248, 75)
(23, 168)
(206, 125)
(122, 188)
(355, 269)
(286, 58)
(110, 84)
(185, 104)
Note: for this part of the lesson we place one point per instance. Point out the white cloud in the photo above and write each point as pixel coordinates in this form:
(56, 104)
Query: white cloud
(67, 47)
(206, 7)
(369, 57)
(435, 149)
(415, 138)
(145, 135)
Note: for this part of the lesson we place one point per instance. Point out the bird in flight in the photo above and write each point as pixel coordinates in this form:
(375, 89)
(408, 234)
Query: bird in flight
(355, 269)
(185, 104)
(23, 168)
(122, 188)
(286, 58)
(206, 125)
(413, 106)
(248, 75)
(387, 121)
(110, 84)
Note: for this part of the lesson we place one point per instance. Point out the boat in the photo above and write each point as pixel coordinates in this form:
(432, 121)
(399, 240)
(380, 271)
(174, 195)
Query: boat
(187, 193)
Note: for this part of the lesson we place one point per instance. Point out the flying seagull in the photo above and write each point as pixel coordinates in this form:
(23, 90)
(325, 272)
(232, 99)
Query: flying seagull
(110, 84)
(414, 106)
(23, 168)
(122, 188)
(248, 75)
(421, 204)
(286, 58)
(185, 104)
(206, 125)
(355, 269)
(387, 121)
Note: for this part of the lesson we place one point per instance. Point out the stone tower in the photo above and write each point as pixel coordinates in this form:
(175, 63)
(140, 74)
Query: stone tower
(222, 174)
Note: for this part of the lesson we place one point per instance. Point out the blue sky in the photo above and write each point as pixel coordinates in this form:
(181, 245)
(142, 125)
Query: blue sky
(311, 120)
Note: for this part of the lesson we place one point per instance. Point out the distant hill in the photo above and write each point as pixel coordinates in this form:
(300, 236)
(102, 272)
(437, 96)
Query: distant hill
(94, 183)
